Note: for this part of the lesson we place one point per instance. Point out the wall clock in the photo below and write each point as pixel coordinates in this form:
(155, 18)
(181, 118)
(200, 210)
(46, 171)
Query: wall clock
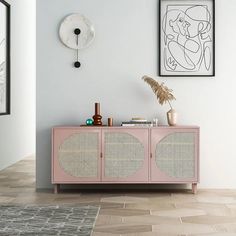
(76, 32)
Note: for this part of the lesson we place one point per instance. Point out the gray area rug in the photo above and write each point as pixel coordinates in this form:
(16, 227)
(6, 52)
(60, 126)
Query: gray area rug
(47, 220)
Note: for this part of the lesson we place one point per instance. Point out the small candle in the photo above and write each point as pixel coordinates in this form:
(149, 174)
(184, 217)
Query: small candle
(97, 108)
(110, 122)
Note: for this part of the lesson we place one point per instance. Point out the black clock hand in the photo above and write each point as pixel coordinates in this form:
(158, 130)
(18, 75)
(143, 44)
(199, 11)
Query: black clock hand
(77, 31)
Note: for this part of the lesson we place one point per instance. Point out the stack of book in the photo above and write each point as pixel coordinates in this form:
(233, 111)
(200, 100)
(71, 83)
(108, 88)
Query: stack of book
(137, 122)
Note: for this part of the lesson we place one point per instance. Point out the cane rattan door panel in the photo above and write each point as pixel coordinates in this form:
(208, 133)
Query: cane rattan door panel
(175, 156)
(125, 155)
(77, 155)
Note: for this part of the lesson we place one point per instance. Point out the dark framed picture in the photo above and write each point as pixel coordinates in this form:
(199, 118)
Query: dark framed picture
(186, 38)
(4, 58)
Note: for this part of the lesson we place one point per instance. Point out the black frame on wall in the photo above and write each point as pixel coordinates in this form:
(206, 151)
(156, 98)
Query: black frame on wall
(208, 53)
(8, 66)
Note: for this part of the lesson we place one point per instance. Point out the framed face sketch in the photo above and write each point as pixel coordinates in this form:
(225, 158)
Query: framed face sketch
(4, 58)
(187, 38)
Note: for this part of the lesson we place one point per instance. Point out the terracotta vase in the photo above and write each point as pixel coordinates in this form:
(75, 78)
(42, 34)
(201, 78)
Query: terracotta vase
(172, 117)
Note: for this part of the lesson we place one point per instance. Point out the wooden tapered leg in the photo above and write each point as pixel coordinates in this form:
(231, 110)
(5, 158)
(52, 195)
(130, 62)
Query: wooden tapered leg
(56, 188)
(194, 188)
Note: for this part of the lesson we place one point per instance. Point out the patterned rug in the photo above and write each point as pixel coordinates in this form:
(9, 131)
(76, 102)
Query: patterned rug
(47, 220)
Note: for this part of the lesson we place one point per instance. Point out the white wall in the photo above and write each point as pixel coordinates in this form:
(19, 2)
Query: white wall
(125, 48)
(17, 131)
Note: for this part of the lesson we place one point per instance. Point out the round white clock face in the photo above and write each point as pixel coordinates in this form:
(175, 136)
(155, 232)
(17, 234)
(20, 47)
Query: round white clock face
(68, 36)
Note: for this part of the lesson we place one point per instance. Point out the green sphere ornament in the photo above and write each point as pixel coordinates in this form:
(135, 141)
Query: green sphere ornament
(89, 122)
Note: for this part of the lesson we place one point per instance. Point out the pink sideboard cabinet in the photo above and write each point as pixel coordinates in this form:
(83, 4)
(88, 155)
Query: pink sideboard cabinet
(102, 155)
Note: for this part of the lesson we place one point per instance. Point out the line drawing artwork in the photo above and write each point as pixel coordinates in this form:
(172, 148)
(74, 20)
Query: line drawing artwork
(4, 59)
(187, 39)
(2, 76)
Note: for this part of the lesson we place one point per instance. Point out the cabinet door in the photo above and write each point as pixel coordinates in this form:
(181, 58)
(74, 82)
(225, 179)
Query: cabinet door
(76, 155)
(174, 155)
(125, 155)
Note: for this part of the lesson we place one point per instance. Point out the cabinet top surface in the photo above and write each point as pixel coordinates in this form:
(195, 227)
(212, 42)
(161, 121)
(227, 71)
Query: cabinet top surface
(128, 127)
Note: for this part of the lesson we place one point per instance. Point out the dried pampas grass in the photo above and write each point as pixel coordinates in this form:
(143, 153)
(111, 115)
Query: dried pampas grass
(163, 93)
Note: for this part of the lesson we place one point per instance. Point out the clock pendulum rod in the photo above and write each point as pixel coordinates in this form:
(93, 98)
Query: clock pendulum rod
(77, 31)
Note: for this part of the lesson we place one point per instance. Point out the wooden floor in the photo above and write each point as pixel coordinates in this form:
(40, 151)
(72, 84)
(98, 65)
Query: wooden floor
(132, 213)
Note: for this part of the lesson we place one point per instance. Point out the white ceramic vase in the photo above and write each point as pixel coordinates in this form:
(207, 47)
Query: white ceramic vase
(172, 117)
